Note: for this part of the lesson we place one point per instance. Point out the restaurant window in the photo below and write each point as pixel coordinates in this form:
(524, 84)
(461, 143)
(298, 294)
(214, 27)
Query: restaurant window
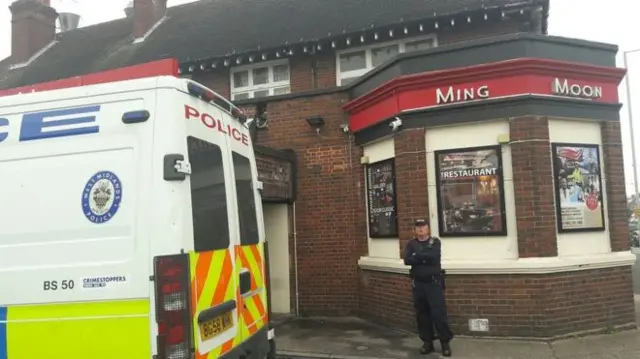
(381, 199)
(470, 192)
(208, 196)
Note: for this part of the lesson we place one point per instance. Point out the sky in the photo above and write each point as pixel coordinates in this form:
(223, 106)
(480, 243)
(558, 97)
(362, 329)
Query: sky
(591, 20)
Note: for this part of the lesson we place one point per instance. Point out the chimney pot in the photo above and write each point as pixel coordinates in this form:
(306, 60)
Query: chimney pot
(33, 26)
(68, 21)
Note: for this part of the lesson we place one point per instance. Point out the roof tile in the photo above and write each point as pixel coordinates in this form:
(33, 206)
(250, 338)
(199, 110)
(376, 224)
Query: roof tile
(210, 28)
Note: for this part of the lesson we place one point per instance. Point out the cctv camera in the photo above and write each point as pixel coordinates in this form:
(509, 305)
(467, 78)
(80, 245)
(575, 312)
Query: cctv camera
(344, 128)
(395, 124)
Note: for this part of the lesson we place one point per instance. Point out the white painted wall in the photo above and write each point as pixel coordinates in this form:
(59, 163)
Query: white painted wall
(276, 226)
(473, 135)
(380, 247)
(586, 243)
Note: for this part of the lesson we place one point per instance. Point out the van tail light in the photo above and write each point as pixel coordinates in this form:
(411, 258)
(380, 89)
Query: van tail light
(173, 312)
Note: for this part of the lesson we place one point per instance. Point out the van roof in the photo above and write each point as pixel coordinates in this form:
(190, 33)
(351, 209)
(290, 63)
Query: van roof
(162, 73)
(167, 67)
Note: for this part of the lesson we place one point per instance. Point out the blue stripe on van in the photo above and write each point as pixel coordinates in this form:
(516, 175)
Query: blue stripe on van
(3, 333)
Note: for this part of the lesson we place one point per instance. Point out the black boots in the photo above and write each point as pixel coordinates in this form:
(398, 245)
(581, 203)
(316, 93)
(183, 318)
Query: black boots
(446, 349)
(427, 349)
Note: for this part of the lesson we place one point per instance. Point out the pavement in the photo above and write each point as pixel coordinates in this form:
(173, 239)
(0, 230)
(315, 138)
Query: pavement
(351, 338)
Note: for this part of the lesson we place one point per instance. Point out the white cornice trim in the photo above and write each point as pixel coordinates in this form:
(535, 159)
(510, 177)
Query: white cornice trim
(545, 265)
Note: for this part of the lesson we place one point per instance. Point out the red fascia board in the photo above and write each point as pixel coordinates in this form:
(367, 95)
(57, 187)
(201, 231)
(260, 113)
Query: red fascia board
(166, 67)
(481, 72)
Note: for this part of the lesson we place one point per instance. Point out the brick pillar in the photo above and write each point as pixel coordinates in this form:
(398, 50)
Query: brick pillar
(411, 181)
(533, 187)
(613, 168)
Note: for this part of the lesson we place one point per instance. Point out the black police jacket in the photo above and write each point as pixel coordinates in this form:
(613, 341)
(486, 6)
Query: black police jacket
(424, 257)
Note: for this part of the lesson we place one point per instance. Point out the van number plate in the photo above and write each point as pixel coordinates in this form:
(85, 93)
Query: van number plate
(215, 326)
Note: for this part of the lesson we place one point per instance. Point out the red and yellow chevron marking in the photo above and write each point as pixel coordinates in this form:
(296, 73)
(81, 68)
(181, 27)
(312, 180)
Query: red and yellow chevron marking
(254, 316)
(211, 285)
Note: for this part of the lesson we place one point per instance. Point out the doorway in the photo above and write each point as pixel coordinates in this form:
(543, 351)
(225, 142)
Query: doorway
(276, 226)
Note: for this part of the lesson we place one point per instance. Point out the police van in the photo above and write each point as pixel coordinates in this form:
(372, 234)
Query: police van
(130, 221)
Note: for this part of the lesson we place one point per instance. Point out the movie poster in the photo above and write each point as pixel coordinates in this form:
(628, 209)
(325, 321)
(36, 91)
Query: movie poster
(470, 192)
(381, 199)
(578, 182)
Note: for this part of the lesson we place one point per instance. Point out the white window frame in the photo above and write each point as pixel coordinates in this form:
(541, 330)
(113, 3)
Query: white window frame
(368, 54)
(270, 85)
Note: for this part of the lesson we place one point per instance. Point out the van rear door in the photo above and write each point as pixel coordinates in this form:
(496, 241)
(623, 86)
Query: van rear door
(74, 261)
(250, 251)
(215, 305)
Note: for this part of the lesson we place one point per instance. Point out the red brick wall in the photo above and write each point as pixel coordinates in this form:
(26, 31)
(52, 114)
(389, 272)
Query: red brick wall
(411, 183)
(516, 305)
(313, 72)
(329, 210)
(218, 80)
(533, 187)
(616, 194)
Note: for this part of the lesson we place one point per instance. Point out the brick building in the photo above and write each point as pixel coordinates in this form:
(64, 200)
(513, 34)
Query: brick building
(477, 94)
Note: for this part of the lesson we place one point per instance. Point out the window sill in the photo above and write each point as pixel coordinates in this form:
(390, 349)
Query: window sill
(515, 266)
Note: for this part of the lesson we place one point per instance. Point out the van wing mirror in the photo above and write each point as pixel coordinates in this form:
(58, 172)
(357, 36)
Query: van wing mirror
(175, 167)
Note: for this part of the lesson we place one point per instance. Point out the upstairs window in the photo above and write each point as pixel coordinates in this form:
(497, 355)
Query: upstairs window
(353, 63)
(260, 80)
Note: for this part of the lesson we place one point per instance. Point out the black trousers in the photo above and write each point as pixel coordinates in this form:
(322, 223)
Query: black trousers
(431, 310)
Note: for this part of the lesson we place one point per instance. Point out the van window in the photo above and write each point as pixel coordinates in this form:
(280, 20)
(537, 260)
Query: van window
(208, 196)
(246, 200)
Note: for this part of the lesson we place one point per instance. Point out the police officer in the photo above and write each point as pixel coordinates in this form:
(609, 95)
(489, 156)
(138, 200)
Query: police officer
(423, 254)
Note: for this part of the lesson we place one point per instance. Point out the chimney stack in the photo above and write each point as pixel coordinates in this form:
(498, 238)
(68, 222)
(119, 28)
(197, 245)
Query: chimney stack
(33, 27)
(146, 13)
(129, 9)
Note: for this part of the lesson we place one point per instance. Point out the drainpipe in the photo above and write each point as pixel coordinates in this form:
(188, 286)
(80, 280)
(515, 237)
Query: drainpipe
(295, 260)
(314, 72)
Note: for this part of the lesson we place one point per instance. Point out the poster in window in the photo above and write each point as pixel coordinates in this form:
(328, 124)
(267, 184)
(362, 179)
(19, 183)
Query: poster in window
(470, 192)
(381, 199)
(578, 186)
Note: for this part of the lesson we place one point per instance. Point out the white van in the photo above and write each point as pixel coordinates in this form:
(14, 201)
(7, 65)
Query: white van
(130, 225)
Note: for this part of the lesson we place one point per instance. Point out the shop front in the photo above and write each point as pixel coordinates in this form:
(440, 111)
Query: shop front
(512, 148)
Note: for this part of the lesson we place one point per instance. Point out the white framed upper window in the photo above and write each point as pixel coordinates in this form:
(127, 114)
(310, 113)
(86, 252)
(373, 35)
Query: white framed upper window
(260, 80)
(355, 62)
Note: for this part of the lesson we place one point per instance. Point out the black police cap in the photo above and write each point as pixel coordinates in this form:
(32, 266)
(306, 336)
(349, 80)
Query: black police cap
(421, 222)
